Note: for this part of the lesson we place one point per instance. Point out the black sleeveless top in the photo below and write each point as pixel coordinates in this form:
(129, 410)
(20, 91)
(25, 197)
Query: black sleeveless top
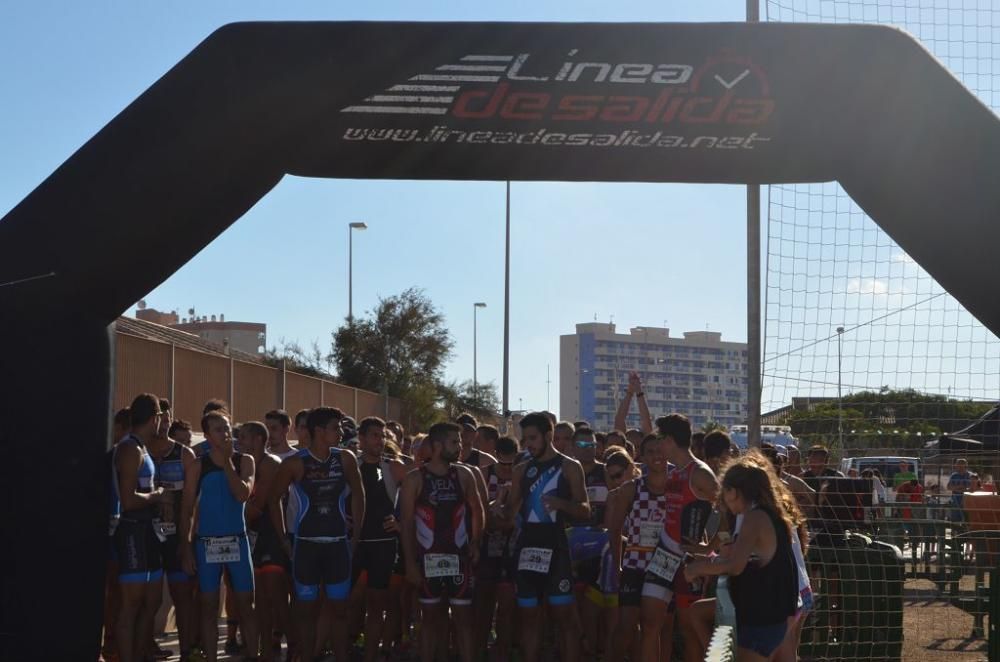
(767, 595)
(378, 506)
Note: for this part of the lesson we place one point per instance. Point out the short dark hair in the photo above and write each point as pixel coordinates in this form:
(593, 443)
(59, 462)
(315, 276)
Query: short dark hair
(489, 432)
(302, 417)
(717, 444)
(677, 427)
(630, 447)
(178, 424)
(215, 404)
(561, 425)
(582, 431)
(279, 415)
(507, 446)
(537, 420)
(214, 415)
(255, 429)
(549, 415)
(619, 459)
(165, 406)
(600, 437)
(818, 449)
(581, 424)
(370, 422)
(467, 419)
(439, 432)
(320, 417)
(123, 418)
(143, 408)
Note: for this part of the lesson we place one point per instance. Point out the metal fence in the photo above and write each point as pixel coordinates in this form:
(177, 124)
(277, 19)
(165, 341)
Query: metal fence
(190, 378)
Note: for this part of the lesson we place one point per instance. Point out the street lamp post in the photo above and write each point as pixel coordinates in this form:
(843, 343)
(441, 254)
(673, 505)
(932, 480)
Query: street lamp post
(475, 332)
(840, 396)
(351, 227)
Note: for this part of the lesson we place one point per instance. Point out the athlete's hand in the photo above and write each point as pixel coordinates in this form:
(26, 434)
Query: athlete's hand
(390, 524)
(691, 571)
(552, 503)
(227, 447)
(187, 559)
(634, 383)
(413, 573)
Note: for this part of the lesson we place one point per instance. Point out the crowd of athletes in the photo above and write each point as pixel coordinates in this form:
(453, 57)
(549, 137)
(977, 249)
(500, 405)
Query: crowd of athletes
(329, 538)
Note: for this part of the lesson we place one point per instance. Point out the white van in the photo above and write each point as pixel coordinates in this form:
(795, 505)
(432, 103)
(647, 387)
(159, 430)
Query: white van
(779, 435)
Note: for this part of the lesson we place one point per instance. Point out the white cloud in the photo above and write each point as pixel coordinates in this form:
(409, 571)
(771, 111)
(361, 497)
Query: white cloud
(867, 286)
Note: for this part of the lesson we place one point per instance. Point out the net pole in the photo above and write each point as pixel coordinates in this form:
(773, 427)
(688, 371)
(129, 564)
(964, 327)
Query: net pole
(753, 292)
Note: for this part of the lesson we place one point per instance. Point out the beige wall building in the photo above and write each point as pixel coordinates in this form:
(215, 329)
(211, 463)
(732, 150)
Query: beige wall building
(698, 375)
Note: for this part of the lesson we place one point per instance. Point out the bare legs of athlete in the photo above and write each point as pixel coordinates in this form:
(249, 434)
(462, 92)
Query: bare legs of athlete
(505, 622)
(183, 596)
(654, 617)
(271, 606)
(139, 602)
(210, 623)
(310, 613)
(484, 602)
(564, 617)
(624, 639)
(376, 603)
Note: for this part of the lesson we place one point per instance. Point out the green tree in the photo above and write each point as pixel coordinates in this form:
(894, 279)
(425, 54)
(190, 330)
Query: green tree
(712, 426)
(399, 346)
(480, 400)
(310, 361)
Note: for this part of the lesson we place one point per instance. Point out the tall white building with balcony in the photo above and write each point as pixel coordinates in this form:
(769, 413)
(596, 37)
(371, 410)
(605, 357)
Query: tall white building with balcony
(698, 375)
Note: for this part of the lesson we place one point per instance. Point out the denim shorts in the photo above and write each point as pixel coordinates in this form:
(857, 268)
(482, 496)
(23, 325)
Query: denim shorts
(761, 639)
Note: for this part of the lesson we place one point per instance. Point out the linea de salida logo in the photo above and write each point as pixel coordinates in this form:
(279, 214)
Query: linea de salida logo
(725, 89)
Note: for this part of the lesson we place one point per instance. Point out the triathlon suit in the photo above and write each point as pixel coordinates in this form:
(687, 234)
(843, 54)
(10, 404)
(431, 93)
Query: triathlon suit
(687, 515)
(291, 500)
(265, 544)
(377, 549)
(170, 476)
(765, 596)
(221, 540)
(443, 539)
(642, 528)
(322, 553)
(542, 552)
(495, 552)
(588, 570)
(136, 544)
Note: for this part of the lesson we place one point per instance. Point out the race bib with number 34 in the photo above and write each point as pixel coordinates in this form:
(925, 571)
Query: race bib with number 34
(222, 549)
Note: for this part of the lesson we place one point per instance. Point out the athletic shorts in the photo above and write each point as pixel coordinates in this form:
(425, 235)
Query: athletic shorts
(588, 572)
(761, 639)
(679, 591)
(630, 587)
(171, 559)
(456, 587)
(326, 564)
(237, 563)
(377, 558)
(138, 552)
(542, 571)
(267, 553)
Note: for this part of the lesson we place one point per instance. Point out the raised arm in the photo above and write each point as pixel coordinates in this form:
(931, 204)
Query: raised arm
(240, 483)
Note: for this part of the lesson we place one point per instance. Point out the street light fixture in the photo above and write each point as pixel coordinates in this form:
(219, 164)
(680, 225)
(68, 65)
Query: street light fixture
(351, 227)
(475, 331)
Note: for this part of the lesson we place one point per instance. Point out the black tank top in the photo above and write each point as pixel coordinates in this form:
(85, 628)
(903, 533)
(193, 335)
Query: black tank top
(378, 506)
(767, 595)
(440, 513)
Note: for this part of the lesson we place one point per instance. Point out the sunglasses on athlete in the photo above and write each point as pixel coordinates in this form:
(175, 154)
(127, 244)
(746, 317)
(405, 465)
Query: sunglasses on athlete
(586, 444)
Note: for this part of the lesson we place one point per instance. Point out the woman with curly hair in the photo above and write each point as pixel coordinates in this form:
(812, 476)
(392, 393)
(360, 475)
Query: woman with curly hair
(760, 563)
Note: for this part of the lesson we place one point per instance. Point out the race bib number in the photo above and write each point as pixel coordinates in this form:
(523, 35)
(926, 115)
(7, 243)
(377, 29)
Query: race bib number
(664, 564)
(252, 539)
(441, 565)
(597, 493)
(535, 559)
(495, 545)
(222, 549)
(649, 534)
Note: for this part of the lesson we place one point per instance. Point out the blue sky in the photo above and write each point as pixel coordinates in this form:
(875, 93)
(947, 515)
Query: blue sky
(578, 249)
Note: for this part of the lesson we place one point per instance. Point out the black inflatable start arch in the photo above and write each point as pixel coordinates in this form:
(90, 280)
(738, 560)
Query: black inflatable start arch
(739, 103)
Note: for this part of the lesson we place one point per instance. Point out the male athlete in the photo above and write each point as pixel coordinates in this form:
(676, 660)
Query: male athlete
(546, 491)
(594, 606)
(326, 478)
(377, 550)
(471, 455)
(562, 437)
(270, 562)
(140, 569)
(440, 500)
(216, 488)
(173, 462)
(691, 490)
(278, 423)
